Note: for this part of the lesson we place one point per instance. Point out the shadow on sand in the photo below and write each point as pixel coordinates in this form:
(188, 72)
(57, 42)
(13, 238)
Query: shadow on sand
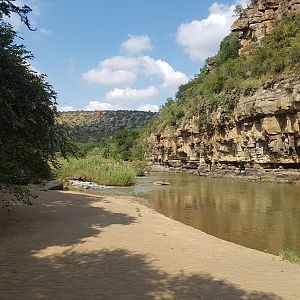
(106, 274)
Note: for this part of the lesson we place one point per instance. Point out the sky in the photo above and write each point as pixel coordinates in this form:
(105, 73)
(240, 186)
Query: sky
(122, 54)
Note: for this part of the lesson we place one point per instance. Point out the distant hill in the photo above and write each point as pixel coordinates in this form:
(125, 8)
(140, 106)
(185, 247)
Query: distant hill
(92, 126)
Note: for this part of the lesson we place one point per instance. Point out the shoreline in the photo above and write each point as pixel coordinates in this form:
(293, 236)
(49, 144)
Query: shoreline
(287, 176)
(114, 247)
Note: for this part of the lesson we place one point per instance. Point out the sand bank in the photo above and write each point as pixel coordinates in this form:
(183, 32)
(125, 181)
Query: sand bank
(78, 246)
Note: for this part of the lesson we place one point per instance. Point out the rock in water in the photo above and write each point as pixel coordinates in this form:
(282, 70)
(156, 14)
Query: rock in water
(161, 183)
(54, 186)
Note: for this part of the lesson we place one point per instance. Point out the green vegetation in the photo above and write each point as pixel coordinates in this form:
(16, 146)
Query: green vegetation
(116, 160)
(290, 256)
(29, 136)
(98, 169)
(124, 144)
(227, 76)
(93, 126)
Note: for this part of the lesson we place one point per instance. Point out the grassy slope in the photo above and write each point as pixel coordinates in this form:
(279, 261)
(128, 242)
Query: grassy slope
(234, 76)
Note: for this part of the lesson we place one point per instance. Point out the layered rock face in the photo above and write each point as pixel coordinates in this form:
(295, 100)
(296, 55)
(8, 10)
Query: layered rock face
(263, 131)
(259, 19)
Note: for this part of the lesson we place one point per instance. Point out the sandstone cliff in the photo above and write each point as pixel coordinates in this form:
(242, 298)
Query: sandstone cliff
(263, 131)
(259, 19)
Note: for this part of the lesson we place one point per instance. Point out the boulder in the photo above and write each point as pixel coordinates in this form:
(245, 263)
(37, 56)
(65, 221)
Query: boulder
(54, 186)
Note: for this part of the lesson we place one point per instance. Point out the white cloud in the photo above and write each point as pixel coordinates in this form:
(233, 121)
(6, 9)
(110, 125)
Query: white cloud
(130, 95)
(121, 62)
(149, 107)
(96, 105)
(109, 77)
(66, 108)
(136, 44)
(163, 70)
(121, 70)
(201, 38)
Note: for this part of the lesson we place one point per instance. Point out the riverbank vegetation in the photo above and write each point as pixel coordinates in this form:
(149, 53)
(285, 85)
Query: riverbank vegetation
(290, 256)
(99, 170)
(116, 160)
(29, 135)
(227, 76)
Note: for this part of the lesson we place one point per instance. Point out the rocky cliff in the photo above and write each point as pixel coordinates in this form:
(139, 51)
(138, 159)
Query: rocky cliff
(259, 18)
(263, 131)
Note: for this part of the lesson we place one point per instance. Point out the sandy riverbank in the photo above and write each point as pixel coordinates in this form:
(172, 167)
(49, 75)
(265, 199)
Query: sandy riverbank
(77, 246)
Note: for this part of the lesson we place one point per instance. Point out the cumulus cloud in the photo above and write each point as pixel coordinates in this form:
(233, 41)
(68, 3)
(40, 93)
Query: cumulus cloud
(121, 63)
(66, 108)
(97, 105)
(119, 70)
(149, 107)
(136, 44)
(122, 71)
(109, 77)
(163, 70)
(130, 95)
(201, 38)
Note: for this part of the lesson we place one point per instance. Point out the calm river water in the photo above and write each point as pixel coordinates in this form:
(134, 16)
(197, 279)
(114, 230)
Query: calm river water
(264, 216)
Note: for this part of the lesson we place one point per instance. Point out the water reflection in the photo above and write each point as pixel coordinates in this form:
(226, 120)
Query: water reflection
(263, 216)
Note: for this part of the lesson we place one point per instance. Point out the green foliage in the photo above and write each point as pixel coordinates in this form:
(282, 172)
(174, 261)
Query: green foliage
(124, 144)
(29, 135)
(98, 169)
(27, 117)
(90, 127)
(229, 49)
(139, 167)
(227, 76)
(239, 11)
(290, 256)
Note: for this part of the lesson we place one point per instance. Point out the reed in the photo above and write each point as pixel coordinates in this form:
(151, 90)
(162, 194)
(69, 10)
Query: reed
(99, 170)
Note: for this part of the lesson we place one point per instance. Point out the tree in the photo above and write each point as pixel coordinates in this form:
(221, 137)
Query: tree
(7, 7)
(239, 11)
(28, 131)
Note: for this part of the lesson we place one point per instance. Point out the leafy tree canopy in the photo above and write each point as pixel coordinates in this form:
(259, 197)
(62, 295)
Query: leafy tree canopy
(28, 132)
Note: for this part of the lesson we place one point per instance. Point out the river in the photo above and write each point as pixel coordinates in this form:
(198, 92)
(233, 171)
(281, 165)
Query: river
(263, 216)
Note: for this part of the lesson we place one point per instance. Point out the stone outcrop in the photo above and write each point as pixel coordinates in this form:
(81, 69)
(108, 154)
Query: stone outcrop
(259, 19)
(263, 131)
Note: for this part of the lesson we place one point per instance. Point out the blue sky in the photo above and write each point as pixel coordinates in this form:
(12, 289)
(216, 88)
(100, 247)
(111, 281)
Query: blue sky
(122, 54)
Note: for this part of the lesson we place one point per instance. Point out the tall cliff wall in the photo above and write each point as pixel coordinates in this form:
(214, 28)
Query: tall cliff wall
(264, 129)
(259, 19)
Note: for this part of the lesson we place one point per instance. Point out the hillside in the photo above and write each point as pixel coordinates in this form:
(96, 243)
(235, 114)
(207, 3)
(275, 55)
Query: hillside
(92, 126)
(243, 109)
